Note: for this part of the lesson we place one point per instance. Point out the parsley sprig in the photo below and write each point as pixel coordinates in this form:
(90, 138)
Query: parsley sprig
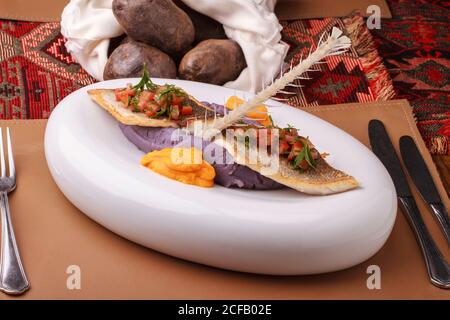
(145, 82)
(166, 95)
(305, 154)
(167, 92)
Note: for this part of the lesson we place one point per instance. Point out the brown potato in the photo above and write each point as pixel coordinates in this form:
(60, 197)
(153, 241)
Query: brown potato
(213, 61)
(159, 23)
(127, 61)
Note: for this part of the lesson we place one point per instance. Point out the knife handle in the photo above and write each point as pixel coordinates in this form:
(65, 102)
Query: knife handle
(438, 268)
(443, 218)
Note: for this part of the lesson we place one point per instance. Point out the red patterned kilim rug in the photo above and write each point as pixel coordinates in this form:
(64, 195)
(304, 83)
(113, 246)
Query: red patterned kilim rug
(36, 71)
(356, 76)
(415, 46)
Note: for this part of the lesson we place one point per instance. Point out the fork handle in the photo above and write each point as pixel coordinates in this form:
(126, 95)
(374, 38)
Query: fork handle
(12, 275)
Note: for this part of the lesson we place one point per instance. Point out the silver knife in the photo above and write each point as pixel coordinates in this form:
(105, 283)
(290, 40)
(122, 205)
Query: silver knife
(438, 268)
(421, 176)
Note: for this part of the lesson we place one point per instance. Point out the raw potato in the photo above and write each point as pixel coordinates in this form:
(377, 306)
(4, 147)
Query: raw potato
(159, 23)
(128, 59)
(213, 61)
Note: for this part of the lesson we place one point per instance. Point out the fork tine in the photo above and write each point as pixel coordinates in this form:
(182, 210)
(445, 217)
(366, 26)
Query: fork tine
(12, 168)
(2, 154)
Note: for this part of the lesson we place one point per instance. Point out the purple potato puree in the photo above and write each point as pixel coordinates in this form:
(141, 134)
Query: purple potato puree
(231, 175)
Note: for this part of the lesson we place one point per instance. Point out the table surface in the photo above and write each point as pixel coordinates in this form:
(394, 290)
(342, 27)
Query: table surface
(53, 235)
(443, 165)
(411, 282)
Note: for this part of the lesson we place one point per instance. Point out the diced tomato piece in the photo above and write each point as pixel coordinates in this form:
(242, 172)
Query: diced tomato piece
(163, 101)
(289, 138)
(147, 96)
(177, 100)
(304, 164)
(149, 108)
(154, 107)
(124, 94)
(145, 99)
(118, 95)
(298, 145)
(284, 147)
(142, 105)
(186, 110)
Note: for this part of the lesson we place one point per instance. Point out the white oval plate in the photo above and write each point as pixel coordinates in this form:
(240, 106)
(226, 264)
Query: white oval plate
(279, 232)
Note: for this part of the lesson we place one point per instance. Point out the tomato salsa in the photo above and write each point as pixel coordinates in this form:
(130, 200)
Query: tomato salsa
(299, 152)
(155, 101)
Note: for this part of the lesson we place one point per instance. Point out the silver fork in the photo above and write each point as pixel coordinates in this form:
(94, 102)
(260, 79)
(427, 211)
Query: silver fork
(12, 275)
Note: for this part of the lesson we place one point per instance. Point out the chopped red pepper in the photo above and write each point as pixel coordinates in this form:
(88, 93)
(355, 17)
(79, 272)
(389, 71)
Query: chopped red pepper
(297, 147)
(124, 94)
(284, 147)
(186, 110)
(177, 100)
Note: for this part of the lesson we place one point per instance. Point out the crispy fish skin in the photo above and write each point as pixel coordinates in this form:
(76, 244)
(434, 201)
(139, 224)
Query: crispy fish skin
(321, 180)
(106, 99)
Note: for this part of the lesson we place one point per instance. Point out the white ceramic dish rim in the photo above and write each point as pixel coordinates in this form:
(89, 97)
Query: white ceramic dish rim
(275, 232)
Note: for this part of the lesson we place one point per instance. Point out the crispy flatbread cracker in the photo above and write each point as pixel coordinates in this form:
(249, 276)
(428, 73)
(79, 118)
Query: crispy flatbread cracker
(323, 180)
(107, 100)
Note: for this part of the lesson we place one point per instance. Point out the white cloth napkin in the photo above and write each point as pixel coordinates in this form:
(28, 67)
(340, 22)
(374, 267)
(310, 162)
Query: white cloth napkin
(89, 24)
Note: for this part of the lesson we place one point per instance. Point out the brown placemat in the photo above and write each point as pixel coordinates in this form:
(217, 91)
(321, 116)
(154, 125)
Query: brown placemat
(307, 9)
(443, 166)
(50, 10)
(52, 235)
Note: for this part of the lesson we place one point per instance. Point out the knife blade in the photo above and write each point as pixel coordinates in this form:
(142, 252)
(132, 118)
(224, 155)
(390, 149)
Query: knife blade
(438, 269)
(421, 176)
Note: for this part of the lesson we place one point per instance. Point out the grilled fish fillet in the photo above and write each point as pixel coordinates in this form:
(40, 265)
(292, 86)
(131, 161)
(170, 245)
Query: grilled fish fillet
(322, 180)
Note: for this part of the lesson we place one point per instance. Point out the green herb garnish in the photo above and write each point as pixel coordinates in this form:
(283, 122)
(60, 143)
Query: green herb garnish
(168, 91)
(145, 82)
(161, 112)
(271, 121)
(134, 101)
(305, 154)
